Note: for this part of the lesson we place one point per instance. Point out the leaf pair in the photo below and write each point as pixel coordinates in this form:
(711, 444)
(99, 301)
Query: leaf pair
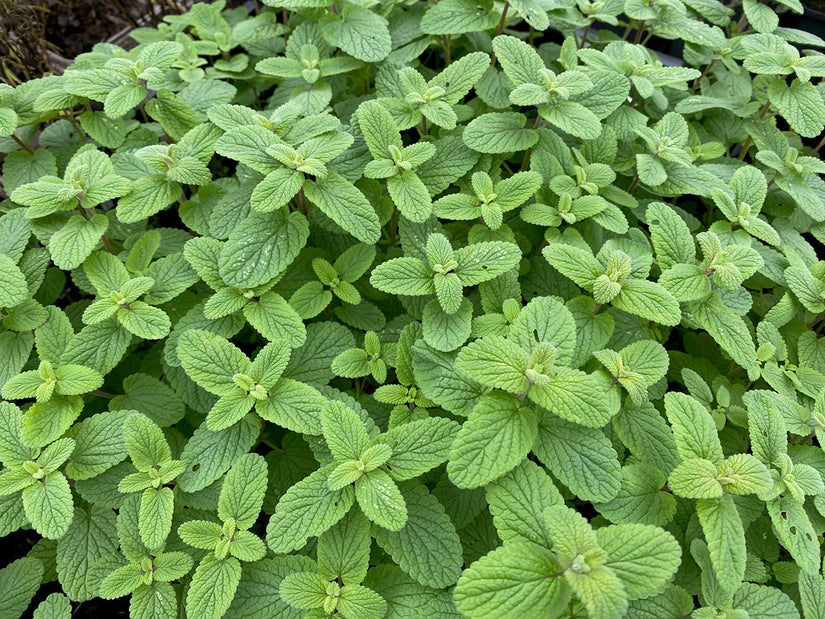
(223, 369)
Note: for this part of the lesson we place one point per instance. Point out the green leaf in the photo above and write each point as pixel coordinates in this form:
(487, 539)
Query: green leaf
(520, 61)
(499, 132)
(458, 17)
(582, 458)
(56, 606)
(156, 508)
(408, 276)
(208, 454)
(727, 328)
(693, 428)
(13, 287)
(649, 301)
(261, 247)
(380, 499)
(497, 437)
(359, 32)
(149, 195)
(419, 446)
(145, 443)
(512, 580)
(293, 405)
(695, 479)
(344, 432)
(517, 502)
(800, 104)
(243, 489)
(91, 536)
(213, 587)
(144, 320)
(211, 361)
(344, 203)
(99, 445)
(446, 332)
(573, 118)
(585, 399)
(19, 581)
(726, 539)
(427, 547)
(307, 509)
(73, 243)
(344, 550)
(643, 557)
(358, 601)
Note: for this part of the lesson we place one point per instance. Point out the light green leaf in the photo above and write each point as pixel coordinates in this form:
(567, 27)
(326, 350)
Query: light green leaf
(497, 437)
(213, 587)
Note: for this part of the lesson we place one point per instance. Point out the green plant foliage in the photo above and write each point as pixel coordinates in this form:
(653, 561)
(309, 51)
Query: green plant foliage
(418, 309)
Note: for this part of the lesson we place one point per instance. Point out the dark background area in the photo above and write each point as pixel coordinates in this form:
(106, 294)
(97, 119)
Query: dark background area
(38, 37)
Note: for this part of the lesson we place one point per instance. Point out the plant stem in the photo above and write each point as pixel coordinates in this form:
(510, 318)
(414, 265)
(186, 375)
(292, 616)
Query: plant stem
(500, 28)
(103, 394)
(423, 125)
(584, 35)
(818, 146)
(301, 203)
(448, 52)
(745, 148)
(704, 73)
(639, 33)
(635, 183)
(22, 144)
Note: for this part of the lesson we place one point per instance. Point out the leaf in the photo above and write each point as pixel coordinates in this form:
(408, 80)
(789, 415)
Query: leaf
(584, 399)
(19, 581)
(573, 118)
(211, 361)
(649, 301)
(499, 132)
(243, 489)
(446, 332)
(800, 104)
(693, 428)
(695, 479)
(261, 247)
(359, 32)
(145, 443)
(726, 539)
(642, 556)
(49, 506)
(156, 508)
(419, 446)
(727, 328)
(517, 502)
(427, 547)
(408, 276)
(73, 243)
(344, 550)
(457, 17)
(380, 499)
(497, 437)
(13, 287)
(208, 454)
(582, 459)
(512, 580)
(213, 587)
(55, 606)
(342, 202)
(307, 509)
(144, 320)
(91, 536)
